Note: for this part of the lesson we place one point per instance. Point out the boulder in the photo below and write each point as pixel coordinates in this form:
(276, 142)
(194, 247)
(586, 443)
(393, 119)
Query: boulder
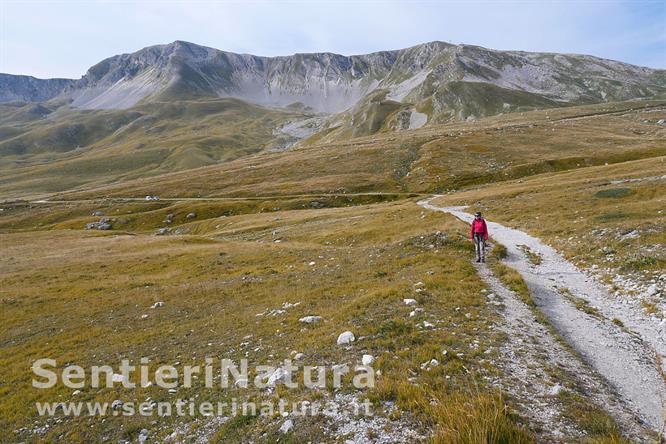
(409, 301)
(191, 215)
(101, 225)
(346, 337)
(310, 319)
(367, 359)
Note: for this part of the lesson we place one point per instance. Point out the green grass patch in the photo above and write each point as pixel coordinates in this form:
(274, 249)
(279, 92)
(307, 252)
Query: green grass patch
(613, 193)
(599, 426)
(499, 251)
(233, 430)
(514, 281)
(533, 257)
(612, 216)
(579, 303)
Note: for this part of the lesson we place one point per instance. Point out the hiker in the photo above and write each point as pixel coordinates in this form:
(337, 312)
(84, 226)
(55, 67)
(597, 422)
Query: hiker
(479, 235)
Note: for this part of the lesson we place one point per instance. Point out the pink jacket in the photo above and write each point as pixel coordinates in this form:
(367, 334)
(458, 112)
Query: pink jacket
(479, 226)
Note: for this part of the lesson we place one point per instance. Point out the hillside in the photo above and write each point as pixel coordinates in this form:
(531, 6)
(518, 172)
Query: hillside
(431, 159)
(56, 148)
(235, 275)
(441, 80)
(175, 107)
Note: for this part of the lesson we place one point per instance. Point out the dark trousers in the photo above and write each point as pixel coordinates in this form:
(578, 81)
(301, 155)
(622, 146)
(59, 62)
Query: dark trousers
(480, 243)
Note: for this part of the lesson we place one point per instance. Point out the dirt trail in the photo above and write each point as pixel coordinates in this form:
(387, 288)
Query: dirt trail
(537, 368)
(625, 357)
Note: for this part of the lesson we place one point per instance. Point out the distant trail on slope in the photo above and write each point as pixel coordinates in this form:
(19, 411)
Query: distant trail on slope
(222, 198)
(625, 359)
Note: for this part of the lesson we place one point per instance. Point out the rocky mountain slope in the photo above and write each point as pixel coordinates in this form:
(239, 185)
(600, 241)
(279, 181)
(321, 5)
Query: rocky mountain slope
(439, 80)
(30, 89)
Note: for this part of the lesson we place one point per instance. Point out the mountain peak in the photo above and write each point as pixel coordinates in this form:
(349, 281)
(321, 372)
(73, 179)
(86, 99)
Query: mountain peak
(450, 80)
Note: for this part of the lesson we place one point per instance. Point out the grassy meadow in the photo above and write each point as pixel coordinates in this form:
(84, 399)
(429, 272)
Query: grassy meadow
(609, 219)
(79, 297)
(257, 239)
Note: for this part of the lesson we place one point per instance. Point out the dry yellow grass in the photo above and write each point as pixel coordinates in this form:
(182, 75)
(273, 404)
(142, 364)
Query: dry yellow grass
(78, 297)
(430, 159)
(610, 216)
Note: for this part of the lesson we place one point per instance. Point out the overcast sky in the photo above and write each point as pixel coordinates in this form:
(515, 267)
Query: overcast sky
(64, 38)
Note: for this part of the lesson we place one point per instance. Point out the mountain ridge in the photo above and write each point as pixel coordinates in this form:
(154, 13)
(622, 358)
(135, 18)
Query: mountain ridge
(439, 79)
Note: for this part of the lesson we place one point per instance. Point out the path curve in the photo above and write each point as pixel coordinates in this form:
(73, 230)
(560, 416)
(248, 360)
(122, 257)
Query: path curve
(626, 359)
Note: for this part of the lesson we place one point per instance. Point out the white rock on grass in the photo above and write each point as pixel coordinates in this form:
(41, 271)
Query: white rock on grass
(277, 376)
(429, 364)
(287, 426)
(409, 301)
(415, 312)
(143, 436)
(117, 377)
(367, 359)
(310, 319)
(652, 290)
(346, 338)
(299, 357)
(157, 304)
(555, 390)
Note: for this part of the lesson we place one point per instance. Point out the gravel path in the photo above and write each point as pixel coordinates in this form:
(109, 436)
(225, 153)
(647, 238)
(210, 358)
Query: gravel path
(625, 357)
(537, 368)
